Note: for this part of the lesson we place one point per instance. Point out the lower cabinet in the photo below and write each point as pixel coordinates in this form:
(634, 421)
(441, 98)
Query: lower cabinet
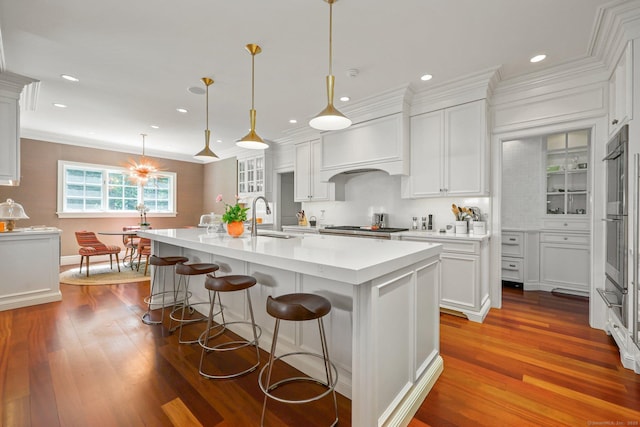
(464, 281)
(564, 261)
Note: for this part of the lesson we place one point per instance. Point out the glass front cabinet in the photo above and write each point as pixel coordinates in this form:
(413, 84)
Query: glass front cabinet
(567, 165)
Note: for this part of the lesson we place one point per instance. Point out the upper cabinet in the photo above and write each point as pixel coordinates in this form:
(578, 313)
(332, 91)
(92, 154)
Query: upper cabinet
(307, 184)
(620, 85)
(567, 167)
(11, 86)
(449, 153)
(254, 176)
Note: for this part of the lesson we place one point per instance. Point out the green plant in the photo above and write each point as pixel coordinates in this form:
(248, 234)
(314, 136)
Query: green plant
(233, 213)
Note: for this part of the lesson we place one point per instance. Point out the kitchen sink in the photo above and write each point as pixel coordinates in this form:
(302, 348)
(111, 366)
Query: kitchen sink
(276, 235)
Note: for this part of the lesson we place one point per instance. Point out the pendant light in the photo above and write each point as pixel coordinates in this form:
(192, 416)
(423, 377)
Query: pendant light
(330, 118)
(206, 155)
(252, 140)
(144, 169)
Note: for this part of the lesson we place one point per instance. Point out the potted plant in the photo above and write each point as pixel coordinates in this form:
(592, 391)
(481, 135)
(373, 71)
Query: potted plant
(234, 216)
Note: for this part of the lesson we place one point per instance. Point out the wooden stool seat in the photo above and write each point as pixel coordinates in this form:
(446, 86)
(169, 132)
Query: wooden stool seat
(208, 341)
(298, 307)
(185, 271)
(155, 293)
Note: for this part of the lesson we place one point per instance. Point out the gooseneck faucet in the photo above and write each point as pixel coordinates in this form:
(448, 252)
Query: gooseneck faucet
(254, 227)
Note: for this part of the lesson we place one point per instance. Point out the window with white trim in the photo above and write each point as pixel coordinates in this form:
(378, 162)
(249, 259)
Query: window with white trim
(89, 190)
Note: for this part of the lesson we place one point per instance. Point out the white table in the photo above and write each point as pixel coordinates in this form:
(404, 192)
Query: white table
(383, 329)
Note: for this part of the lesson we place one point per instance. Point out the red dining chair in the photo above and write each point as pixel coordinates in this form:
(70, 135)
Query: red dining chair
(90, 246)
(144, 249)
(130, 242)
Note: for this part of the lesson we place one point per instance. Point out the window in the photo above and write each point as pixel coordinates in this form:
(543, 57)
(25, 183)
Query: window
(88, 190)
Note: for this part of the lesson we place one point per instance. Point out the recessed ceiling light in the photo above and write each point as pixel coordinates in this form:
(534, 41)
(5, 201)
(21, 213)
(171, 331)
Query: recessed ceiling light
(293, 121)
(56, 104)
(70, 78)
(219, 140)
(426, 77)
(196, 90)
(538, 58)
(182, 110)
(91, 133)
(345, 99)
(155, 127)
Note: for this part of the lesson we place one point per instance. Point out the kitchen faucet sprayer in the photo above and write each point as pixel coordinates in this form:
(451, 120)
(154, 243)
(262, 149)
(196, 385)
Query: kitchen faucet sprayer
(254, 227)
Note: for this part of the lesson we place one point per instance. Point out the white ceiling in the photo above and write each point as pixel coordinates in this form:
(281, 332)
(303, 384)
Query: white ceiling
(136, 59)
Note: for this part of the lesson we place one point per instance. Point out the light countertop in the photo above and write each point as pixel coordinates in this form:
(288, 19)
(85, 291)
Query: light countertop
(340, 258)
(30, 231)
(437, 235)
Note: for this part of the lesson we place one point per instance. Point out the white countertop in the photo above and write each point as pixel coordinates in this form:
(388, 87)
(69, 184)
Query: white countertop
(437, 235)
(345, 259)
(29, 231)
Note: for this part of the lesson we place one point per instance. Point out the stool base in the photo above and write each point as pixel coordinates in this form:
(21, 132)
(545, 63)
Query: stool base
(204, 339)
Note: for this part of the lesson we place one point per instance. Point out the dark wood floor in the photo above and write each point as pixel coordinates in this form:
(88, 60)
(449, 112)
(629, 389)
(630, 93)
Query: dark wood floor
(89, 361)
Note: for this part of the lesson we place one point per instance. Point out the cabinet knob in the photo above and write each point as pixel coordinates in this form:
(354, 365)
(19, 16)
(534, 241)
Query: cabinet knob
(566, 225)
(512, 265)
(512, 239)
(566, 238)
(614, 122)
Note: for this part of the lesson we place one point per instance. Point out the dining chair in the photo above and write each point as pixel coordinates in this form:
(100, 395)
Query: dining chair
(90, 246)
(130, 242)
(144, 249)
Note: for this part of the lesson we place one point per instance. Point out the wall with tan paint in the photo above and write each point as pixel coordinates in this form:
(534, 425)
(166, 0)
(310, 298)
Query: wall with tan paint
(38, 190)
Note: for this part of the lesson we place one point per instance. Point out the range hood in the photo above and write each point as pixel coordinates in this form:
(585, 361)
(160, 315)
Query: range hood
(379, 144)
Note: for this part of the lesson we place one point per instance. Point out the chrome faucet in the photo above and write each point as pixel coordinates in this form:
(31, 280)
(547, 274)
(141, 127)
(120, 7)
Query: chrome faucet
(254, 226)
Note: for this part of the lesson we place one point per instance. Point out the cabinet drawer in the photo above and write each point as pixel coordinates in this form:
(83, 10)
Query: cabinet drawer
(512, 244)
(512, 269)
(573, 239)
(566, 224)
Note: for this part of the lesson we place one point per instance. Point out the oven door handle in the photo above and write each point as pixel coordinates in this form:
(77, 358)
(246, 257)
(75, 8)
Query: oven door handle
(603, 294)
(612, 219)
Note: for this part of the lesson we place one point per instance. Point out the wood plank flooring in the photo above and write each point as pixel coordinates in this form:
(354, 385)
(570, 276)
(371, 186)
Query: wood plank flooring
(90, 361)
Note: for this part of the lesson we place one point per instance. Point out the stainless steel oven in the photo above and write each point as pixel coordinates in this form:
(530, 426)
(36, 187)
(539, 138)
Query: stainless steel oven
(617, 167)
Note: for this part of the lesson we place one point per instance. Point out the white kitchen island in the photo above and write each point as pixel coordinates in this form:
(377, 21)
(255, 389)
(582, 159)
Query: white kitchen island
(383, 329)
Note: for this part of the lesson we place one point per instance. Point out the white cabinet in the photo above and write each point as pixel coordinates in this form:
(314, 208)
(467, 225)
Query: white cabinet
(464, 281)
(11, 86)
(564, 261)
(254, 177)
(307, 184)
(513, 256)
(567, 171)
(449, 153)
(620, 84)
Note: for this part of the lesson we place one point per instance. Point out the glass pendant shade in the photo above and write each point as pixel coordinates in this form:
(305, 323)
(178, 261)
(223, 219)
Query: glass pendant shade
(252, 140)
(206, 155)
(330, 118)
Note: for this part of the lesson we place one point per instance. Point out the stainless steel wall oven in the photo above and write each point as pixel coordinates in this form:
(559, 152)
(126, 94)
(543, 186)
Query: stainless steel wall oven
(617, 167)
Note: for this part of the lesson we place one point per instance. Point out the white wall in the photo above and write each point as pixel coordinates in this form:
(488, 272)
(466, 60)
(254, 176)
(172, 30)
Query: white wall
(522, 198)
(369, 192)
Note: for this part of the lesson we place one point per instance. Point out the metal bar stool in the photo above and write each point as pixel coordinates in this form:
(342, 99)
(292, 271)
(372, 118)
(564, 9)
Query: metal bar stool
(298, 307)
(185, 271)
(231, 283)
(156, 262)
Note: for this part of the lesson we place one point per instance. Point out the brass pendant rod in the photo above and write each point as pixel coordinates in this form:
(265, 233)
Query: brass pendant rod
(253, 61)
(143, 136)
(330, 38)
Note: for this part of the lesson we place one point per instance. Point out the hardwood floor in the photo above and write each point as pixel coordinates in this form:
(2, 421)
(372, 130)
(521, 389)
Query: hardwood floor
(90, 361)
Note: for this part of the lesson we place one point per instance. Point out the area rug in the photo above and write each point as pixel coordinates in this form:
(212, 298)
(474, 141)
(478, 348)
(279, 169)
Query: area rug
(101, 274)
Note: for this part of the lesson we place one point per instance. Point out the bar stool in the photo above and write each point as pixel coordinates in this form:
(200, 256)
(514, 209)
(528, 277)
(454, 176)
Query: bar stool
(158, 262)
(298, 307)
(185, 271)
(231, 283)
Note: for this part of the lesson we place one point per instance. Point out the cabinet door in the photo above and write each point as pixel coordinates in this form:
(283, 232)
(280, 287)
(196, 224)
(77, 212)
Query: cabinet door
(9, 141)
(460, 282)
(565, 265)
(302, 172)
(465, 149)
(620, 83)
(319, 190)
(426, 155)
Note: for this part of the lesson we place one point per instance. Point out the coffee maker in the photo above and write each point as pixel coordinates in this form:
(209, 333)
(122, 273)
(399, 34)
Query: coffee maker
(378, 220)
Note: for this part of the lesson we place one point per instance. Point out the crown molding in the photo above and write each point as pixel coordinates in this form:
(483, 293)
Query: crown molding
(616, 23)
(470, 87)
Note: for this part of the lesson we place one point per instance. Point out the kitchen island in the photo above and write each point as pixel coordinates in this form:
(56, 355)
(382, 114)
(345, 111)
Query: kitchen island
(383, 329)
